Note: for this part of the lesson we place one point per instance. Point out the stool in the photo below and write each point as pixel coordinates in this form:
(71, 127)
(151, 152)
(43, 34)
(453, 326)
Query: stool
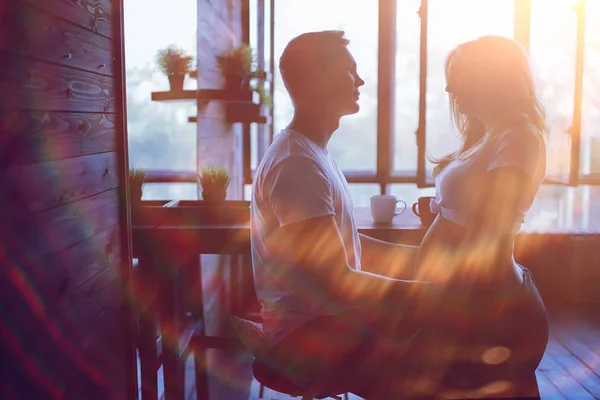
(251, 335)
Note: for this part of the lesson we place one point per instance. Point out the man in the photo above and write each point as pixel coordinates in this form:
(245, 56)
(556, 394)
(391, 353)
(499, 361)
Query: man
(312, 269)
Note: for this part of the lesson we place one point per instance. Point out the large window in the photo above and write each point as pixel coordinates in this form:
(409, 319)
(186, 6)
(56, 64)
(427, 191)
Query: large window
(400, 47)
(565, 51)
(159, 134)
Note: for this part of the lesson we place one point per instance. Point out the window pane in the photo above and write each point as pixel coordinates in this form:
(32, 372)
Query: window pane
(565, 208)
(170, 191)
(159, 134)
(552, 47)
(590, 121)
(451, 23)
(362, 192)
(354, 144)
(410, 193)
(406, 113)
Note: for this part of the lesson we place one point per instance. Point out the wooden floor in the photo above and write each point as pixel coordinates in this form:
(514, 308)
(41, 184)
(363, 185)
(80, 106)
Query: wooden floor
(570, 369)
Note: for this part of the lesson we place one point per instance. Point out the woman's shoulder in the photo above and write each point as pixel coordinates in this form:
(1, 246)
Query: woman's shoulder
(523, 134)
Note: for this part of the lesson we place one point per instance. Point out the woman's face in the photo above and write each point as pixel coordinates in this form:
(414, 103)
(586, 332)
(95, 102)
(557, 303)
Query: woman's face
(466, 87)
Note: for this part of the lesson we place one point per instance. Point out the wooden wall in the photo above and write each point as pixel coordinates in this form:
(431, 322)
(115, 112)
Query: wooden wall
(219, 141)
(64, 245)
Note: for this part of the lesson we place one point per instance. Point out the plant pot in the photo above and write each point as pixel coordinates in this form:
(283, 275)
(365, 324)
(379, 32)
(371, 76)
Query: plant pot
(234, 82)
(136, 194)
(211, 198)
(176, 82)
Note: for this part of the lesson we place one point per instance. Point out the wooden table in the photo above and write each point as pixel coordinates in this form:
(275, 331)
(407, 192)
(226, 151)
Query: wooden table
(235, 238)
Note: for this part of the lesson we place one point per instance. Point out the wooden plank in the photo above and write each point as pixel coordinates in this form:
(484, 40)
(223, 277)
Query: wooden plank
(562, 380)
(547, 389)
(96, 309)
(184, 95)
(78, 264)
(579, 349)
(49, 38)
(34, 136)
(589, 334)
(211, 24)
(95, 15)
(64, 226)
(50, 184)
(204, 95)
(215, 35)
(36, 85)
(582, 374)
(106, 330)
(89, 299)
(54, 343)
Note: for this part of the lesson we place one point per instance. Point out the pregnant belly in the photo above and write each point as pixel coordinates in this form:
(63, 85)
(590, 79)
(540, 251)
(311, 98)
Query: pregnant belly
(446, 257)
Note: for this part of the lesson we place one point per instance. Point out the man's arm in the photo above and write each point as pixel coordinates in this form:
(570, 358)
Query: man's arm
(388, 259)
(316, 245)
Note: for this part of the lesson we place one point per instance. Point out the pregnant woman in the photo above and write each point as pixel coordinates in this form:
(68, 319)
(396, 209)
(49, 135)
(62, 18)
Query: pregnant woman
(499, 330)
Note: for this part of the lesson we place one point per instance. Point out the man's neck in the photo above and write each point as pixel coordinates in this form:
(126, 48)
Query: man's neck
(318, 128)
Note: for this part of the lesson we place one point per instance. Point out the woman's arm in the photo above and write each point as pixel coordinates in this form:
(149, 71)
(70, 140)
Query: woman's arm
(388, 259)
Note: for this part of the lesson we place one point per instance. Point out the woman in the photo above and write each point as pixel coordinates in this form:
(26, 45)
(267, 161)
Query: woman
(484, 191)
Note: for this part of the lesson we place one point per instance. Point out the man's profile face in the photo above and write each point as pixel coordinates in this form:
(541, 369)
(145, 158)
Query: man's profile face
(340, 82)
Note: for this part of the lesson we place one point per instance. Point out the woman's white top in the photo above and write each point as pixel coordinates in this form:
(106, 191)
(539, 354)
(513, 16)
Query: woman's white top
(461, 186)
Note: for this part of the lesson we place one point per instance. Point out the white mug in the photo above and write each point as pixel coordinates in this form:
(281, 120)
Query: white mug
(383, 208)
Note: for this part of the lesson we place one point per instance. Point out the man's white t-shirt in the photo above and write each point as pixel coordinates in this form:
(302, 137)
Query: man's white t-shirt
(296, 180)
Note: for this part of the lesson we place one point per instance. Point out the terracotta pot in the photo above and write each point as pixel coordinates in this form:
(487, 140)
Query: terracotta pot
(234, 82)
(214, 198)
(176, 82)
(136, 194)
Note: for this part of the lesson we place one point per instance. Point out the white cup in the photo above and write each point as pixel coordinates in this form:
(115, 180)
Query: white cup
(383, 208)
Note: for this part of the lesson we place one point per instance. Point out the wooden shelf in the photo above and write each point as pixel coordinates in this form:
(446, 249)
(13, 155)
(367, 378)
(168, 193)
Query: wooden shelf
(239, 103)
(259, 120)
(204, 95)
(174, 96)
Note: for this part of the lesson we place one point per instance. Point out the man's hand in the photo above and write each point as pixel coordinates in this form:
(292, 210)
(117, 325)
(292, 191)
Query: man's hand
(388, 259)
(316, 246)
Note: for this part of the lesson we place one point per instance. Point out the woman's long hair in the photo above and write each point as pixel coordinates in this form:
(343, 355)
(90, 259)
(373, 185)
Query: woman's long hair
(503, 68)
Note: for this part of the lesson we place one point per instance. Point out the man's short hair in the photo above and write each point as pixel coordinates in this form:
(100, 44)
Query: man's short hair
(307, 52)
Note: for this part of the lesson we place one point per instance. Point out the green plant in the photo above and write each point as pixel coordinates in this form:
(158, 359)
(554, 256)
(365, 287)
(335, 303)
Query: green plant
(173, 61)
(237, 65)
(214, 181)
(137, 177)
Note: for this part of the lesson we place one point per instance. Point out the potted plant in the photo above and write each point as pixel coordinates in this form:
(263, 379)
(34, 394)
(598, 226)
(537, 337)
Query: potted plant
(214, 181)
(237, 66)
(137, 177)
(175, 63)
